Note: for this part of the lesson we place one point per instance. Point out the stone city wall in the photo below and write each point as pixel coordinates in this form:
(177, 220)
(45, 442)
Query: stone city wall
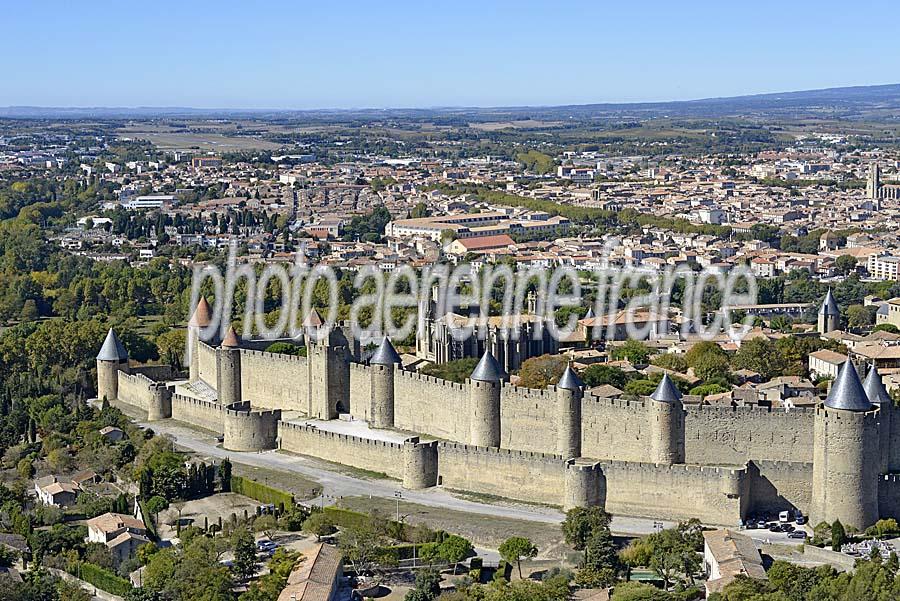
(136, 389)
(615, 429)
(733, 435)
(715, 495)
(518, 475)
(780, 485)
(205, 414)
(363, 453)
(274, 380)
(431, 406)
(528, 419)
(207, 363)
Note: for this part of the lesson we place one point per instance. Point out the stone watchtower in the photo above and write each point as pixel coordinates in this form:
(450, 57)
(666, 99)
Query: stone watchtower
(484, 402)
(111, 359)
(382, 365)
(829, 315)
(228, 360)
(845, 447)
(569, 393)
(200, 319)
(666, 423)
(887, 417)
(328, 364)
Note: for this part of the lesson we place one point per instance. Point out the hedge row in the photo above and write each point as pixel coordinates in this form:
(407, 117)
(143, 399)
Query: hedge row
(103, 579)
(261, 492)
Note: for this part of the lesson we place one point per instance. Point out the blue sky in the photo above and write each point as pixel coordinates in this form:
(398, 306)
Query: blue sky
(272, 54)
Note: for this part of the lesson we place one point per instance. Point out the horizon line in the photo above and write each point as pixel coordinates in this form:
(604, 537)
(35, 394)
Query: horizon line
(435, 107)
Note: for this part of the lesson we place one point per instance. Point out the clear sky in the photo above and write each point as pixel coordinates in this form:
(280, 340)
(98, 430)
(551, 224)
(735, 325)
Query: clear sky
(337, 54)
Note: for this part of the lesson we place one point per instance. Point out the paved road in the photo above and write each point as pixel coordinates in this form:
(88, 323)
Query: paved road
(336, 485)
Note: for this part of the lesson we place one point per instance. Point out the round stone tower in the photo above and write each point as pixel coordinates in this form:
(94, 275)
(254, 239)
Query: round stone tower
(111, 359)
(484, 402)
(666, 414)
(160, 406)
(228, 357)
(199, 320)
(845, 447)
(829, 315)
(585, 485)
(420, 464)
(569, 392)
(381, 373)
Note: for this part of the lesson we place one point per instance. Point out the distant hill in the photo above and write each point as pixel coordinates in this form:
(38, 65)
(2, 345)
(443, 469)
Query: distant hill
(877, 102)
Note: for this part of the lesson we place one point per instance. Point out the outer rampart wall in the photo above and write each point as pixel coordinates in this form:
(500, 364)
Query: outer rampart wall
(720, 435)
(274, 380)
(431, 406)
(362, 453)
(520, 475)
(780, 485)
(206, 414)
(156, 372)
(135, 389)
(675, 491)
(250, 430)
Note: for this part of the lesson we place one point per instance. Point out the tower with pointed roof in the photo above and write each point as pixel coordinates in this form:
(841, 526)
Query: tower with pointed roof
(382, 365)
(111, 359)
(829, 318)
(228, 369)
(484, 402)
(328, 369)
(846, 442)
(200, 319)
(666, 415)
(569, 393)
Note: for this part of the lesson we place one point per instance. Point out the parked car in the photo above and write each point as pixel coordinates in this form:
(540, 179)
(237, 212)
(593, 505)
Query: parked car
(801, 519)
(797, 534)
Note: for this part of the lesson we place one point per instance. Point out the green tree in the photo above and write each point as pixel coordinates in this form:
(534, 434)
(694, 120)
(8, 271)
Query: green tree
(759, 355)
(245, 563)
(838, 535)
(708, 360)
(599, 374)
(319, 524)
(454, 549)
(635, 351)
(844, 264)
(516, 548)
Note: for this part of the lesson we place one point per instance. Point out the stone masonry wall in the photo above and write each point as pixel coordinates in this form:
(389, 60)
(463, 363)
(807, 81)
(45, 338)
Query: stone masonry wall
(528, 420)
(360, 387)
(430, 406)
(274, 380)
(614, 429)
(206, 414)
(672, 492)
(780, 485)
(519, 475)
(135, 389)
(362, 453)
(206, 357)
(733, 435)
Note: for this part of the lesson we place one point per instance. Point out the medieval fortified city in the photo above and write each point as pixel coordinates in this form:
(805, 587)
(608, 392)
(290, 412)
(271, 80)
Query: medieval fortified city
(457, 303)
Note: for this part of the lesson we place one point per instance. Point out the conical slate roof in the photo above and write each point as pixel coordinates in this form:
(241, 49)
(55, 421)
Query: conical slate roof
(385, 354)
(666, 392)
(112, 349)
(231, 340)
(874, 387)
(202, 314)
(829, 305)
(847, 391)
(589, 314)
(570, 380)
(487, 370)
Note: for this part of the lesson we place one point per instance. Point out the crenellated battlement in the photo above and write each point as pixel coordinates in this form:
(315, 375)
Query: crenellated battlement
(431, 380)
(337, 436)
(275, 357)
(476, 450)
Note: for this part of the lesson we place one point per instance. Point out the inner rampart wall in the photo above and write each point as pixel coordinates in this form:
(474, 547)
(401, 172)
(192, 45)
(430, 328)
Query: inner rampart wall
(614, 429)
(431, 406)
(528, 420)
(734, 435)
(360, 391)
(207, 363)
(274, 380)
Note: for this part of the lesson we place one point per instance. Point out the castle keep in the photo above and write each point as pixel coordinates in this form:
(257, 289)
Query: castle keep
(655, 457)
